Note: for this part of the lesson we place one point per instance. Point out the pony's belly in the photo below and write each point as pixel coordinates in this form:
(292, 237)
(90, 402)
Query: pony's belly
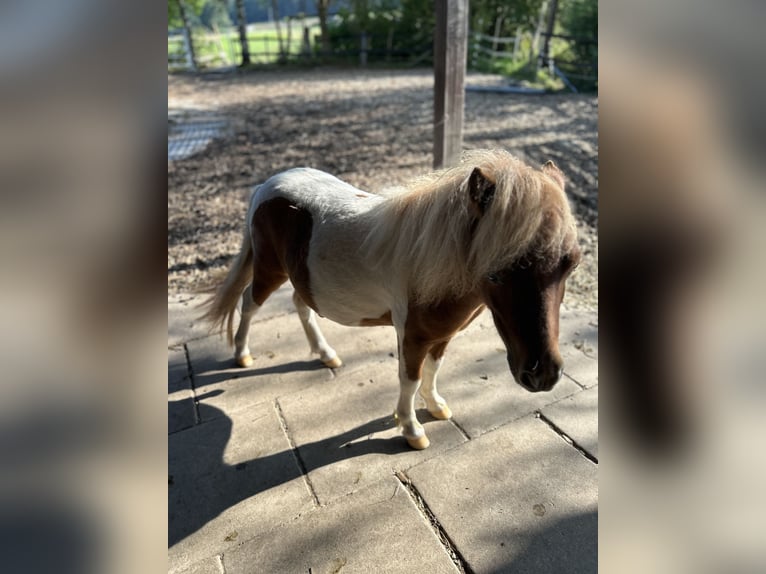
(352, 315)
(349, 300)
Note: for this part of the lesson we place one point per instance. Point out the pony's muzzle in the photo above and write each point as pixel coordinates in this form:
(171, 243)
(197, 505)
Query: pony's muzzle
(541, 378)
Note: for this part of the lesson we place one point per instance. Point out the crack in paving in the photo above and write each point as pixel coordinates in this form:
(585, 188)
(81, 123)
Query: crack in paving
(460, 428)
(190, 373)
(575, 381)
(447, 543)
(568, 439)
(296, 453)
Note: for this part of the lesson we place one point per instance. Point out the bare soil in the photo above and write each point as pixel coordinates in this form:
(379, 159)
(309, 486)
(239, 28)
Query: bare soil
(371, 128)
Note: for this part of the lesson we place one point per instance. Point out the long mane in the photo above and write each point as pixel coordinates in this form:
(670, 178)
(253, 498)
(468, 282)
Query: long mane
(430, 231)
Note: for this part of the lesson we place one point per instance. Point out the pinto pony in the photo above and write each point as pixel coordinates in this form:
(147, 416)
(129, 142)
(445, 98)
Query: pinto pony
(491, 232)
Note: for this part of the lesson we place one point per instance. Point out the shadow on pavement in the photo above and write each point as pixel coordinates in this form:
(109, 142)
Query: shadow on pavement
(201, 485)
(568, 545)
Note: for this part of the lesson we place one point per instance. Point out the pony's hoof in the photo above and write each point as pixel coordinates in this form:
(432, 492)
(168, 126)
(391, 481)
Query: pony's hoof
(442, 414)
(419, 443)
(245, 361)
(333, 363)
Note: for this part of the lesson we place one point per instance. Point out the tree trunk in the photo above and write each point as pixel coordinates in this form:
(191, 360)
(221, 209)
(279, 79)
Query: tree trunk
(275, 9)
(545, 54)
(322, 7)
(188, 32)
(242, 25)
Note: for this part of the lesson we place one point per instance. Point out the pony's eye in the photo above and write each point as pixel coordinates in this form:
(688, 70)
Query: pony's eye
(494, 278)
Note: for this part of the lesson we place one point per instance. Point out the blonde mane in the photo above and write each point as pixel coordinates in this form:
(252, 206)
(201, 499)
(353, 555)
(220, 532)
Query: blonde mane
(430, 229)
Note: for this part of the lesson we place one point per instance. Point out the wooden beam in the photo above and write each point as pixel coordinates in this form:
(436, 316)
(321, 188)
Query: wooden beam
(450, 52)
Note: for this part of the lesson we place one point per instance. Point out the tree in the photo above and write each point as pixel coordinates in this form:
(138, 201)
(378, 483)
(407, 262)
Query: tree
(178, 16)
(502, 18)
(275, 9)
(242, 25)
(323, 7)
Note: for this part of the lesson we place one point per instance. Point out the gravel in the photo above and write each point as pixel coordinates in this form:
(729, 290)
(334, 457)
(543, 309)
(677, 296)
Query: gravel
(371, 128)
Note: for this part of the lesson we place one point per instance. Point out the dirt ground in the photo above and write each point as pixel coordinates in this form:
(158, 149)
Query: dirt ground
(370, 128)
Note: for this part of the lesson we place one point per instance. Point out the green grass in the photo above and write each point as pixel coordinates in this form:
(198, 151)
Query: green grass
(223, 49)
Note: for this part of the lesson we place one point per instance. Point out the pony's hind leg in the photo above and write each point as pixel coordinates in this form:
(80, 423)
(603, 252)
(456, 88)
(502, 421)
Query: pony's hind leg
(314, 335)
(241, 338)
(266, 280)
(435, 403)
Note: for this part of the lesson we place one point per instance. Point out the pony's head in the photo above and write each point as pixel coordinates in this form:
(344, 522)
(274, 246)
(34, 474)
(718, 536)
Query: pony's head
(524, 247)
(493, 226)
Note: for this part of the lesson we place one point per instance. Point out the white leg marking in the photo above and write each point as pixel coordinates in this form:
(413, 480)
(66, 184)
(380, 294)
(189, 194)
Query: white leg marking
(405, 415)
(314, 335)
(242, 337)
(435, 403)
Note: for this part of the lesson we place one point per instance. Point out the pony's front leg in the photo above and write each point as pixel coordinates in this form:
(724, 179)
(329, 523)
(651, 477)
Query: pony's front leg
(435, 403)
(411, 356)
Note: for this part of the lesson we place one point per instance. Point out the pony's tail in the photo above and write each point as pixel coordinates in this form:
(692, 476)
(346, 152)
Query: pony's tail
(222, 304)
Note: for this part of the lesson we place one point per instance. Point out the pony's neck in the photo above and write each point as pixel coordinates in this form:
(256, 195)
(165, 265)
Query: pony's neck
(423, 235)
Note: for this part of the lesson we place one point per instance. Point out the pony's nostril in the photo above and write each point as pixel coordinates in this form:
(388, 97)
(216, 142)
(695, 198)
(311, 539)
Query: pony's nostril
(527, 380)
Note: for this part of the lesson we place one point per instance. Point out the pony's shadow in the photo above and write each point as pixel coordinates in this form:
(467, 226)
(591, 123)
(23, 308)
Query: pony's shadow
(224, 371)
(201, 485)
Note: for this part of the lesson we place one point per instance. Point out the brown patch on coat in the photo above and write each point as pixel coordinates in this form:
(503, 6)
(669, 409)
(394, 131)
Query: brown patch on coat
(429, 328)
(281, 233)
(383, 320)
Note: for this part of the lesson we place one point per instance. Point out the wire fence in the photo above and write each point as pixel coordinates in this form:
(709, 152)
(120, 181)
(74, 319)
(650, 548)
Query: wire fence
(572, 59)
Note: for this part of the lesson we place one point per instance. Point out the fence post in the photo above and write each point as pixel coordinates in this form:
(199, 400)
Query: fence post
(306, 48)
(450, 47)
(516, 43)
(363, 51)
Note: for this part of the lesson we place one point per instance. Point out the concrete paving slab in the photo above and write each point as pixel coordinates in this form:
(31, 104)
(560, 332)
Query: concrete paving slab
(177, 369)
(183, 319)
(346, 434)
(210, 565)
(477, 383)
(577, 416)
(377, 529)
(518, 499)
(181, 409)
(184, 323)
(360, 347)
(282, 364)
(230, 479)
(578, 343)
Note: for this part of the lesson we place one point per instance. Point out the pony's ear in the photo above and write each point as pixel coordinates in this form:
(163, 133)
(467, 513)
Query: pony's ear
(481, 190)
(549, 168)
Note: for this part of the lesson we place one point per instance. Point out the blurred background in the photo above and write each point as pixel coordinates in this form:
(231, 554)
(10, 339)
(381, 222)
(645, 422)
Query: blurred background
(677, 167)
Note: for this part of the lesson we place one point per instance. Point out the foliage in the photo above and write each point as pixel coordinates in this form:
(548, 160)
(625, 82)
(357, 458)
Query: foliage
(579, 18)
(503, 17)
(399, 29)
(193, 8)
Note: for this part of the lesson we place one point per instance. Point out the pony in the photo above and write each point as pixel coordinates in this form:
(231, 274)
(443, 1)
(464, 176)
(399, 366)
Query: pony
(426, 259)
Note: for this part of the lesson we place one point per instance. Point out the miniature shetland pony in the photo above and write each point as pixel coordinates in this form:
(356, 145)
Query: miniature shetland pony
(491, 232)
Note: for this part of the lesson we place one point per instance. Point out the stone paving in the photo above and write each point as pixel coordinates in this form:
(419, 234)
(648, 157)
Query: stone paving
(288, 466)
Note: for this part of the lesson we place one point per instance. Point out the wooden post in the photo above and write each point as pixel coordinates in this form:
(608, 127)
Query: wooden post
(450, 52)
